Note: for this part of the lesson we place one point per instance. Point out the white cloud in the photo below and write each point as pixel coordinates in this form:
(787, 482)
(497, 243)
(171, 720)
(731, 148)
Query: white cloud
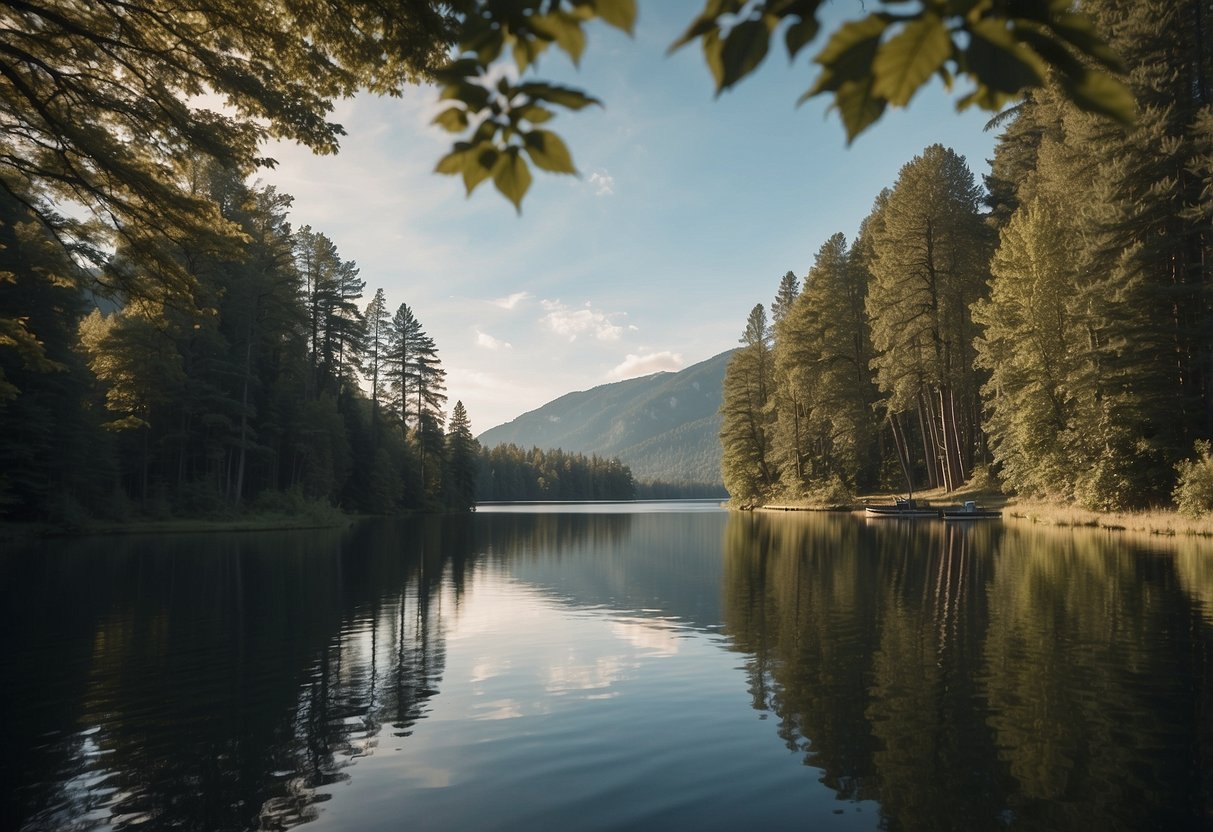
(570, 323)
(653, 638)
(603, 183)
(483, 339)
(643, 365)
(512, 300)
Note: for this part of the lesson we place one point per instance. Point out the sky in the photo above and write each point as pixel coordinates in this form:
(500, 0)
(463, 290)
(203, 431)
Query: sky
(687, 212)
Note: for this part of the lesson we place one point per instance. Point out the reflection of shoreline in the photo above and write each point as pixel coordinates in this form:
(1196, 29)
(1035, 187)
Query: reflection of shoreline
(969, 677)
(310, 641)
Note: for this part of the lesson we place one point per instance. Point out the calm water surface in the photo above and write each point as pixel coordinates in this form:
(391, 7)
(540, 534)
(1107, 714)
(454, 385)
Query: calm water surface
(609, 667)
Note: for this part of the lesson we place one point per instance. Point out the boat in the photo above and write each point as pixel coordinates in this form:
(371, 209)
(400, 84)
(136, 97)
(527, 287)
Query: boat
(971, 511)
(903, 508)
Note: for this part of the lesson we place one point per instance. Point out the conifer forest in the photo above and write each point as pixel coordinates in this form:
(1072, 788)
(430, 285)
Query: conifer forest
(170, 342)
(1050, 328)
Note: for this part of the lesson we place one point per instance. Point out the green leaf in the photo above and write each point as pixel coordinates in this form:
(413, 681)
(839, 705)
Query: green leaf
(712, 46)
(1100, 92)
(907, 60)
(1077, 30)
(744, 49)
(534, 113)
(849, 54)
(800, 34)
(453, 162)
(527, 50)
(453, 119)
(853, 36)
(478, 165)
(564, 96)
(1001, 65)
(548, 152)
(457, 71)
(512, 177)
(699, 27)
(565, 30)
(1053, 52)
(488, 46)
(474, 96)
(618, 13)
(857, 106)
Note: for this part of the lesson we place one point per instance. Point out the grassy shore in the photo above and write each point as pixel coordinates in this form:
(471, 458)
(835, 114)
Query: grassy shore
(1164, 522)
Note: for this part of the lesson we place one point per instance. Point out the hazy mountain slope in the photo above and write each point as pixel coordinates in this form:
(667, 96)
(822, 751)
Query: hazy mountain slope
(665, 426)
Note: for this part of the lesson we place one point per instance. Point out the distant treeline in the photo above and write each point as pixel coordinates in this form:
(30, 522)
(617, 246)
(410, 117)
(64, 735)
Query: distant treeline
(508, 472)
(1055, 325)
(662, 490)
(233, 380)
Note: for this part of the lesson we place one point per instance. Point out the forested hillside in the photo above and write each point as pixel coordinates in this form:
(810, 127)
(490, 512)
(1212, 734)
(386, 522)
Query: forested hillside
(1054, 327)
(663, 427)
(234, 380)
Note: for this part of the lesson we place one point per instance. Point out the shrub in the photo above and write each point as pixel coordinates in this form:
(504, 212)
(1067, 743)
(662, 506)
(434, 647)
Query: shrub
(831, 493)
(1193, 492)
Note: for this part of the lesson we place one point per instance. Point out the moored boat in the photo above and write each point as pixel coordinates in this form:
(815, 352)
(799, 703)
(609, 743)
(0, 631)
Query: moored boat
(903, 508)
(971, 511)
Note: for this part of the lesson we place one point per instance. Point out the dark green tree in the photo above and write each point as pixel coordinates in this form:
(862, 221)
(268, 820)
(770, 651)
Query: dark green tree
(748, 463)
(824, 393)
(462, 453)
(931, 253)
(375, 355)
(1110, 235)
(785, 296)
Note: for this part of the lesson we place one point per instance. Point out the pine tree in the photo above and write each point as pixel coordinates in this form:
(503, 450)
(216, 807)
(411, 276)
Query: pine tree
(1117, 220)
(747, 459)
(1037, 348)
(462, 455)
(824, 395)
(400, 360)
(375, 356)
(931, 252)
(785, 296)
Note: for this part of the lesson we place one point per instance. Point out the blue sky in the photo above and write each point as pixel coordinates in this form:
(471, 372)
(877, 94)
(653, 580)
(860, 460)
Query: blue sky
(688, 211)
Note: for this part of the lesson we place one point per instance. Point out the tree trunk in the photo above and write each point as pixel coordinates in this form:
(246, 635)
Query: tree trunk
(930, 440)
(239, 491)
(903, 452)
(953, 466)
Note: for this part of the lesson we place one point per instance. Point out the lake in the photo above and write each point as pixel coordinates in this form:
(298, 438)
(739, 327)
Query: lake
(612, 666)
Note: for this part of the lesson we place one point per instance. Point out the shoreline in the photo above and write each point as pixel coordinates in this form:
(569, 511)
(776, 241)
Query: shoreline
(24, 532)
(1156, 522)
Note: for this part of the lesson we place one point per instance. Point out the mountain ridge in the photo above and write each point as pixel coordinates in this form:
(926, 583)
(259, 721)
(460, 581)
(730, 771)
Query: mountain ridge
(664, 426)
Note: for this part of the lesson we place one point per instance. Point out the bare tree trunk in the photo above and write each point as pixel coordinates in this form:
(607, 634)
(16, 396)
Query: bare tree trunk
(903, 451)
(239, 492)
(930, 441)
(953, 467)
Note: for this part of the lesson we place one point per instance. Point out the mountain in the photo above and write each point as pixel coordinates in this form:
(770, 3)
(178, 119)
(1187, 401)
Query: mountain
(664, 427)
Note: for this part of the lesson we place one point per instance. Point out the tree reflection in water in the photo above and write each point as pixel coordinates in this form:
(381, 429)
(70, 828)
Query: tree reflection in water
(231, 678)
(974, 677)
(227, 682)
(967, 677)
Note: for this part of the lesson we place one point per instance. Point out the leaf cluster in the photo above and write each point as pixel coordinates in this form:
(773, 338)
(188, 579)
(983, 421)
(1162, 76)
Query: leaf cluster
(884, 58)
(500, 116)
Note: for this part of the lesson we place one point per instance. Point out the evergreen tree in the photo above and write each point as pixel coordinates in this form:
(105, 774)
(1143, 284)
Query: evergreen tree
(930, 261)
(53, 455)
(824, 395)
(1037, 349)
(785, 296)
(747, 460)
(331, 287)
(1114, 223)
(400, 360)
(462, 452)
(375, 356)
